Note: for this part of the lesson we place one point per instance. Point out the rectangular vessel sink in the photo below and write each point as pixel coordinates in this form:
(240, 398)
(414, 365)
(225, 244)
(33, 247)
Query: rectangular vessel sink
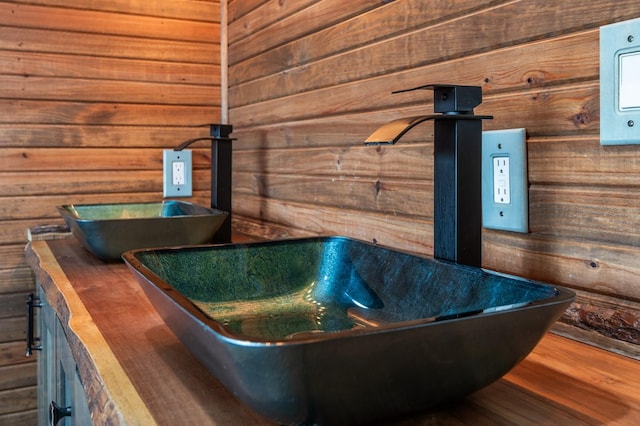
(331, 330)
(108, 230)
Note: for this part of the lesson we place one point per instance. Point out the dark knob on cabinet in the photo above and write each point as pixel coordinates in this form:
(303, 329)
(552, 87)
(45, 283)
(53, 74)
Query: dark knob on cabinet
(56, 413)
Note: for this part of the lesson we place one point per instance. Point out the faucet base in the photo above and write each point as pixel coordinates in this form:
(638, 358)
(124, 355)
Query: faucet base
(221, 156)
(457, 212)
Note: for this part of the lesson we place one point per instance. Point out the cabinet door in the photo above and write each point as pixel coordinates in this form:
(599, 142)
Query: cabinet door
(58, 378)
(71, 393)
(47, 374)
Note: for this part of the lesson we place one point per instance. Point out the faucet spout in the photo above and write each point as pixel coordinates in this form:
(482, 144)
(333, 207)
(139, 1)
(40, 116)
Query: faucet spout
(221, 185)
(391, 132)
(457, 210)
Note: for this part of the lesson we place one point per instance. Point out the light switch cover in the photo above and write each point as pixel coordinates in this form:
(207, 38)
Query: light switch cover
(620, 83)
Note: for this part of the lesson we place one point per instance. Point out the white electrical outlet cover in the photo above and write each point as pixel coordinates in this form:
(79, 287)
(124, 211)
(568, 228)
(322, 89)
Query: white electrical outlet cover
(176, 180)
(504, 168)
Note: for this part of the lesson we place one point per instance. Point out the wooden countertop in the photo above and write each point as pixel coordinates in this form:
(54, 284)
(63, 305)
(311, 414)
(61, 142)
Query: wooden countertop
(135, 371)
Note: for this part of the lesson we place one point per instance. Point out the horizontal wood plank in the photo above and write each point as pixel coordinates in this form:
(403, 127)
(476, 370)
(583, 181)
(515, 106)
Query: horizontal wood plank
(29, 64)
(44, 207)
(17, 280)
(12, 353)
(478, 32)
(18, 376)
(103, 22)
(249, 21)
(578, 263)
(590, 164)
(14, 304)
(14, 328)
(543, 111)
(386, 229)
(534, 64)
(17, 400)
(239, 8)
(18, 184)
(98, 136)
(581, 160)
(108, 91)
(322, 30)
(49, 41)
(356, 161)
(21, 418)
(182, 9)
(101, 159)
(14, 232)
(12, 257)
(607, 215)
(63, 112)
(380, 195)
(348, 130)
(604, 269)
(281, 29)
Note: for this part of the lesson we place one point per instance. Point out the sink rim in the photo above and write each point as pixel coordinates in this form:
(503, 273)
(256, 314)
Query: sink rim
(382, 372)
(68, 210)
(108, 236)
(561, 295)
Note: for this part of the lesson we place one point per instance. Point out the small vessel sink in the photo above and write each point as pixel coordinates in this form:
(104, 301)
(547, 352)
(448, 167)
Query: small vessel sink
(331, 330)
(108, 230)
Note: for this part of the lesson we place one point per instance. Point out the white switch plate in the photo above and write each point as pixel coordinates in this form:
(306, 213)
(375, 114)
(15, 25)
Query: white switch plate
(505, 192)
(177, 166)
(620, 83)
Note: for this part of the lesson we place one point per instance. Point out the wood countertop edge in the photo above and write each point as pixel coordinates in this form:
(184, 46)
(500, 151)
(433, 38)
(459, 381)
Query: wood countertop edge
(111, 395)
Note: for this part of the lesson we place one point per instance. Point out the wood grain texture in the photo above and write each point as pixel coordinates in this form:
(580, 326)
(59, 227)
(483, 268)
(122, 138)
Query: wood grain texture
(185, 9)
(96, 136)
(91, 92)
(560, 382)
(130, 362)
(49, 41)
(301, 108)
(29, 64)
(90, 21)
(19, 375)
(112, 396)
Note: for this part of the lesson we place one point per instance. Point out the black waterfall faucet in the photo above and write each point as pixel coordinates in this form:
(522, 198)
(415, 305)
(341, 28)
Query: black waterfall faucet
(221, 157)
(457, 210)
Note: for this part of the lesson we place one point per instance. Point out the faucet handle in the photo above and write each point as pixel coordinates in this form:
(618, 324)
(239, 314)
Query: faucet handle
(450, 98)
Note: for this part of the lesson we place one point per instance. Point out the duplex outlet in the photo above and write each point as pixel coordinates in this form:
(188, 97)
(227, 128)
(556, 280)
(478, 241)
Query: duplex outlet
(505, 195)
(177, 167)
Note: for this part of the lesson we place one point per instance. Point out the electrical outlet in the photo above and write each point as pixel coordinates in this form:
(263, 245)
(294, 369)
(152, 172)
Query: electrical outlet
(501, 183)
(505, 194)
(177, 173)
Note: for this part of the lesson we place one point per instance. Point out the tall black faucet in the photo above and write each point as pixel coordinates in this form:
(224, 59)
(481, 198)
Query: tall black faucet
(221, 157)
(457, 210)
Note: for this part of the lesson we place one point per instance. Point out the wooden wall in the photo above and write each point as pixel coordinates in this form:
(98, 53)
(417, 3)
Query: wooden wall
(310, 80)
(90, 93)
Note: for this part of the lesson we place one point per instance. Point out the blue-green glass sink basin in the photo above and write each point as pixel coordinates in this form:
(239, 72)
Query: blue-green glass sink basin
(108, 230)
(332, 330)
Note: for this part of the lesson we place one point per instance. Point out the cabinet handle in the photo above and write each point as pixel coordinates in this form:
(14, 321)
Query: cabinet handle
(32, 302)
(56, 413)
